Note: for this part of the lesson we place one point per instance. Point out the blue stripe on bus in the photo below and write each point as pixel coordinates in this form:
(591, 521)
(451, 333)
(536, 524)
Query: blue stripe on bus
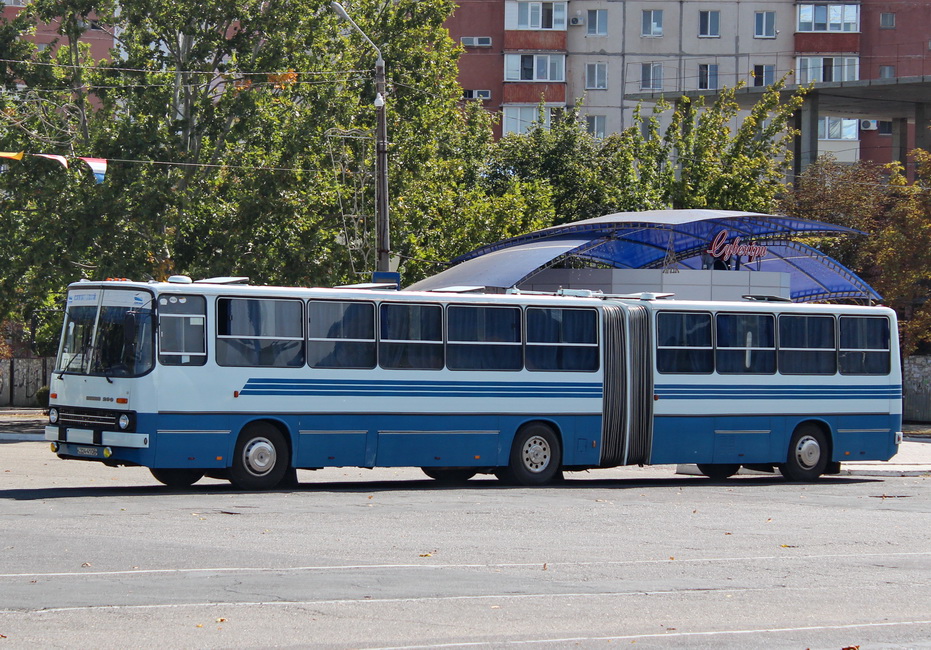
(413, 388)
(744, 391)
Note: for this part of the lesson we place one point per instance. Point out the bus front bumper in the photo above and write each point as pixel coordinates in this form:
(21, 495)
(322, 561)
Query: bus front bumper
(95, 437)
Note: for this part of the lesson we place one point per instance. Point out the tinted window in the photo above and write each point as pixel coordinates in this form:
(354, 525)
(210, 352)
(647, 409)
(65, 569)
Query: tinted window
(684, 343)
(260, 332)
(864, 345)
(483, 338)
(341, 334)
(562, 339)
(746, 344)
(411, 336)
(807, 345)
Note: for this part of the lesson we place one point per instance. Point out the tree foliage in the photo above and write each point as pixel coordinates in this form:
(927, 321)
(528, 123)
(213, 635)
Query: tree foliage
(239, 141)
(896, 215)
(706, 157)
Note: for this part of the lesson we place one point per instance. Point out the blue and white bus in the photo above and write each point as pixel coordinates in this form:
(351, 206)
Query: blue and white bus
(249, 383)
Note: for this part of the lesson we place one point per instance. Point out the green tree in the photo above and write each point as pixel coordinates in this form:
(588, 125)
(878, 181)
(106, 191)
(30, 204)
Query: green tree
(697, 161)
(239, 140)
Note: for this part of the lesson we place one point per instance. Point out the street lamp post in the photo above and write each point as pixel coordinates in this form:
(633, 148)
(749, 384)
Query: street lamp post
(382, 235)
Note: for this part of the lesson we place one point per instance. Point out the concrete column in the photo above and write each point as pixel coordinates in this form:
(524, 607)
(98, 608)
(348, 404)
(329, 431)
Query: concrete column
(900, 141)
(922, 122)
(806, 143)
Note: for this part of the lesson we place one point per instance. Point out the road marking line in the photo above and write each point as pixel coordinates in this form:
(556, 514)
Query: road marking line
(503, 565)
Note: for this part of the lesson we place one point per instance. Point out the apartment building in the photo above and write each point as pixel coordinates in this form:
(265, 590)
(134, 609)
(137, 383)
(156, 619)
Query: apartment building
(612, 54)
(100, 40)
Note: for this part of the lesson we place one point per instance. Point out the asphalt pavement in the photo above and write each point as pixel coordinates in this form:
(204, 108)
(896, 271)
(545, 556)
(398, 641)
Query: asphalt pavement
(913, 458)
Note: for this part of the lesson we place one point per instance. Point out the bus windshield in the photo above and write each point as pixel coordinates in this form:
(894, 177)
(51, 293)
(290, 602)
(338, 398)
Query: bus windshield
(107, 332)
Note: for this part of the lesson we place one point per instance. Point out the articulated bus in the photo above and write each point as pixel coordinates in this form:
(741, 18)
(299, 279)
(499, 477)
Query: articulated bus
(249, 383)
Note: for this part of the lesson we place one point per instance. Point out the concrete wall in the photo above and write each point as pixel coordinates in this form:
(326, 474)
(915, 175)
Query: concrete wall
(916, 384)
(21, 378)
(687, 284)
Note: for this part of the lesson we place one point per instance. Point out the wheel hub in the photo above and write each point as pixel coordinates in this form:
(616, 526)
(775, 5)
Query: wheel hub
(808, 452)
(536, 454)
(259, 456)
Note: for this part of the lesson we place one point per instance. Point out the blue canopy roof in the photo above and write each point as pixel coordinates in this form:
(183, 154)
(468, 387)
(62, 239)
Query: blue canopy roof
(656, 238)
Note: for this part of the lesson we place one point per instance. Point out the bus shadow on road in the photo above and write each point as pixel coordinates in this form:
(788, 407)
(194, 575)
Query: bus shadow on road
(407, 485)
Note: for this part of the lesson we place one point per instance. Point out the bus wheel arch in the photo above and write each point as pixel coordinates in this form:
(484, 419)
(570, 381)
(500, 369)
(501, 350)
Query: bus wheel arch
(262, 456)
(809, 452)
(536, 455)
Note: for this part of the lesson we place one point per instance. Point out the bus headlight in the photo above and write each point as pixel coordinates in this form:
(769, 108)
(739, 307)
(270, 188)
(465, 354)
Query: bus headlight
(124, 421)
(53, 415)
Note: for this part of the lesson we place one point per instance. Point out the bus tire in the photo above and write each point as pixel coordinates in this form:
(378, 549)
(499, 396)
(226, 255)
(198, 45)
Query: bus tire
(808, 454)
(177, 477)
(535, 458)
(718, 471)
(449, 475)
(261, 458)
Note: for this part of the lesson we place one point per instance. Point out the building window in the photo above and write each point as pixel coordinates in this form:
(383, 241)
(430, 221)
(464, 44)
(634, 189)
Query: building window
(652, 24)
(596, 76)
(709, 24)
(520, 119)
(884, 127)
(596, 125)
(535, 15)
(887, 72)
(837, 128)
(764, 75)
(828, 17)
(534, 67)
(597, 22)
(765, 24)
(887, 20)
(475, 41)
(708, 76)
(651, 76)
(828, 68)
(484, 95)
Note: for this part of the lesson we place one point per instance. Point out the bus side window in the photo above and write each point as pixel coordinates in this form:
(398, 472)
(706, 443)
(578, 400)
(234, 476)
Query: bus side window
(864, 345)
(411, 336)
(341, 334)
(684, 343)
(483, 338)
(260, 332)
(182, 331)
(746, 344)
(807, 345)
(562, 339)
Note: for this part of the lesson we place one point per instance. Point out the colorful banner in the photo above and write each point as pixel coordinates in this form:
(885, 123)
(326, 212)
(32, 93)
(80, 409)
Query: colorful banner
(98, 165)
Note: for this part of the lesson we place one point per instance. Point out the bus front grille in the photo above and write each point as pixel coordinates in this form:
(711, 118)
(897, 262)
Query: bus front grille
(81, 418)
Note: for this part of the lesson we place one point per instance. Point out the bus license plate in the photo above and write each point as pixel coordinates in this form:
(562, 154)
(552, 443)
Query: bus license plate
(87, 451)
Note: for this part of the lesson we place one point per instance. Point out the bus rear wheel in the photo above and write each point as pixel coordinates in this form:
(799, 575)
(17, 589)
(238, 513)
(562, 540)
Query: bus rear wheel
(449, 475)
(535, 456)
(261, 458)
(718, 471)
(177, 477)
(808, 454)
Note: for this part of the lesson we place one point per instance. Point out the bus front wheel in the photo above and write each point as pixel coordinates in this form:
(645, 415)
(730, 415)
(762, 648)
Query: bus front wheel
(177, 477)
(535, 456)
(261, 458)
(808, 454)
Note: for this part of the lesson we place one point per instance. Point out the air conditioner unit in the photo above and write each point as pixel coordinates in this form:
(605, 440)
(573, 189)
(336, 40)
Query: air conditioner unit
(576, 20)
(868, 125)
